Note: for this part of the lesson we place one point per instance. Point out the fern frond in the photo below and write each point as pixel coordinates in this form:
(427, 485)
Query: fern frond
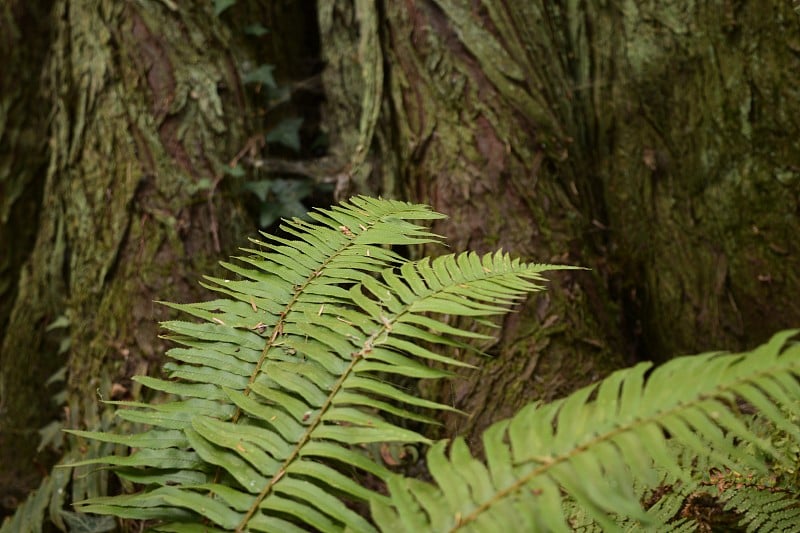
(662, 504)
(274, 394)
(765, 510)
(597, 443)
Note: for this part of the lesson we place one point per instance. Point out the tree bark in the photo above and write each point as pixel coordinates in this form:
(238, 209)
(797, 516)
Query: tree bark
(23, 155)
(703, 175)
(23, 163)
(648, 141)
(145, 111)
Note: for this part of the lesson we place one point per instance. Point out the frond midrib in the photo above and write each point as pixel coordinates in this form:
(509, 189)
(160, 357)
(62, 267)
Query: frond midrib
(386, 326)
(278, 329)
(307, 435)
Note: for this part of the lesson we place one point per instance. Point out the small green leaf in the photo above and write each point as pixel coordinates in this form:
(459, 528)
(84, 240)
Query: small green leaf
(51, 435)
(60, 322)
(263, 75)
(260, 188)
(256, 30)
(64, 345)
(222, 5)
(236, 171)
(287, 133)
(58, 376)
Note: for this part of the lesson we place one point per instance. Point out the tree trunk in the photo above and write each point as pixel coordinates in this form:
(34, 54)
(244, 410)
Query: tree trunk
(145, 109)
(648, 141)
(23, 163)
(471, 128)
(703, 174)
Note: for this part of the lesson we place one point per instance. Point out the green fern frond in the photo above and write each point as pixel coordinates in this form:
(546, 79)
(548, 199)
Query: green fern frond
(284, 382)
(662, 504)
(599, 442)
(765, 510)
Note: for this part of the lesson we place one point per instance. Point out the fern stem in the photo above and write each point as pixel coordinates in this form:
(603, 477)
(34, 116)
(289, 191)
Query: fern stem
(323, 409)
(356, 357)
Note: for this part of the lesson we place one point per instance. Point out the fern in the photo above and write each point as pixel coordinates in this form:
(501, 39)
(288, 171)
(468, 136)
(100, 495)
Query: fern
(764, 510)
(277, 395)
(275, 392)
(760, 501)
(662, 503)
(599, 442)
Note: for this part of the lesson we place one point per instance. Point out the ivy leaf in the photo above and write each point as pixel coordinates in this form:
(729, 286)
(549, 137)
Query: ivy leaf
(263, 75)
(222, 5)
(84, 523)
(256, 30)
(287, 133)
(280, 198)
(260, 188)
(235, 171)
(270, 212)
(286, 201)
(291, 190)
(203, 184)
(278, 95)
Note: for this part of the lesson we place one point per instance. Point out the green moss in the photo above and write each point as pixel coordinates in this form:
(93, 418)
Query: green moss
(120, 228)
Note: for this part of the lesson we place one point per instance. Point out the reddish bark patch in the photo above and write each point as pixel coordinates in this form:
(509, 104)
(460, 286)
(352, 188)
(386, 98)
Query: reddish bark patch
(490, 147)
(168, 133)
(155, 60)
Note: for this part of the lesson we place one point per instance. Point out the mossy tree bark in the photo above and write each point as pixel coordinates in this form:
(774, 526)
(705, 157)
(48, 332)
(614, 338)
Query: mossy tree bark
(144, 110)
(702, 180)
(23, 154)
(652, 142)
(23, 163)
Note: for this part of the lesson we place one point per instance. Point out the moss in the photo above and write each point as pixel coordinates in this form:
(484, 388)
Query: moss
(693, 173)
(137, 114)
